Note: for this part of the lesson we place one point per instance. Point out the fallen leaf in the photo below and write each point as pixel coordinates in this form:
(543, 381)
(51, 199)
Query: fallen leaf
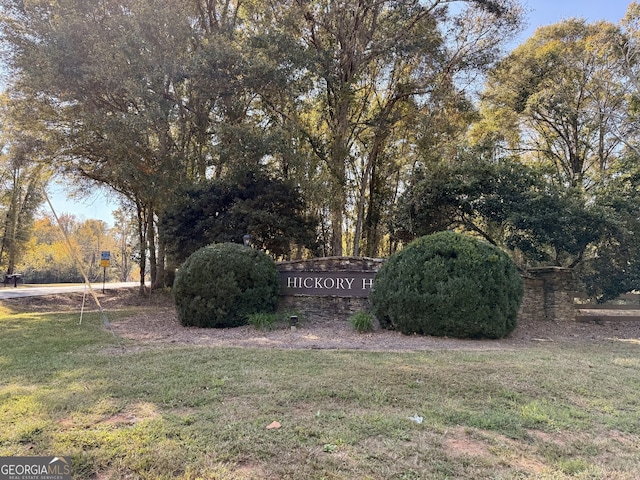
(273, 425)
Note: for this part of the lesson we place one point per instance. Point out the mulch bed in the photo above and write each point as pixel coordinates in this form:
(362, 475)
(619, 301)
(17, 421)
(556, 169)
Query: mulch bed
(155, 322)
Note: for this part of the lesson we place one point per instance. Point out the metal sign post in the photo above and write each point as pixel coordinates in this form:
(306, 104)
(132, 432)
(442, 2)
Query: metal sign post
(105, 261)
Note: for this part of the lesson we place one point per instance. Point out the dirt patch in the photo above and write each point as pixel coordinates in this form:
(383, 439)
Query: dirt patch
(111, 299)
(458, 444)
(491, 447)
(155, 323)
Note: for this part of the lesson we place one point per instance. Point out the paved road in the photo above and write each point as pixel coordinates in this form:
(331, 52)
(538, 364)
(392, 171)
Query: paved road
(31, 291)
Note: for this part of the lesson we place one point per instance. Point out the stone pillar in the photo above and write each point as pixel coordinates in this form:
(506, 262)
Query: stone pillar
(549, 294)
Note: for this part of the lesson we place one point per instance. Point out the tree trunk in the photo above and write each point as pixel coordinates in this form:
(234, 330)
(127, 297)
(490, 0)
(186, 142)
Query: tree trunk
(151, 243)
(339, 103)
(337, 201)
(142, 239)
(372, 224)
(11, 225)
(161, 280)
(336, 226)
(367, 179)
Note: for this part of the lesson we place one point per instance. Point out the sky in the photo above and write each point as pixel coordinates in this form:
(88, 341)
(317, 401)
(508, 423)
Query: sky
(548, 12)
(95, 203)
(540, 13)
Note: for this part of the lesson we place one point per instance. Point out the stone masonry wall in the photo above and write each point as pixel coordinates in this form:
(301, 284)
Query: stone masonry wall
(327, 307)
(548, 295)
(548, 291)
(532, 306)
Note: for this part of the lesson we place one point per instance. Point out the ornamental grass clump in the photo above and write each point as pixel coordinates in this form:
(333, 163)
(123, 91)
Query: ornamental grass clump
(263, 321)
(221, 285)
(448, 284)
(362, 322)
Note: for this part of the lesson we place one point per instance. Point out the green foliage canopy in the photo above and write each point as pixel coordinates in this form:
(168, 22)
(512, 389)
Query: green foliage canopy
(151, 96)
(272, 211)
(561, 98)
(510, 204)
(565, 101)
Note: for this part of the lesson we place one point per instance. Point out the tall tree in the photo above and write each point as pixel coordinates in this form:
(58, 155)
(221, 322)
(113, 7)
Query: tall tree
(558, 99)
(22, 178)
(373, 67)
(137, 95)
(565, 99)
(146, 96)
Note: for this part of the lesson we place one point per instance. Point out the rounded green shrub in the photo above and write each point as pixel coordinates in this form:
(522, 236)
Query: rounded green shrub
(221, 285)
(448, 284)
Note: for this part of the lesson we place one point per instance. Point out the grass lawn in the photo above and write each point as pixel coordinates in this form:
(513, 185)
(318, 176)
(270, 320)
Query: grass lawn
(550, 411)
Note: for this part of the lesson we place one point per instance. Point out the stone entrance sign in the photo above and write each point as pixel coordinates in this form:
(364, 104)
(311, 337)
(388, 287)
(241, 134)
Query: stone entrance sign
(327, 288)
(340, 284)
(336, 287)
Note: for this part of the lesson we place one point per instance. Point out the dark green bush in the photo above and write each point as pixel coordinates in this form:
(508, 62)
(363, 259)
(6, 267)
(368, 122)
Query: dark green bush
(222, 284)
(448, 284)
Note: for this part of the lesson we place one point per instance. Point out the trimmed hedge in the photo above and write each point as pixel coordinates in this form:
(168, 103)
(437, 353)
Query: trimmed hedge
(222, 284)
(448, 284)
